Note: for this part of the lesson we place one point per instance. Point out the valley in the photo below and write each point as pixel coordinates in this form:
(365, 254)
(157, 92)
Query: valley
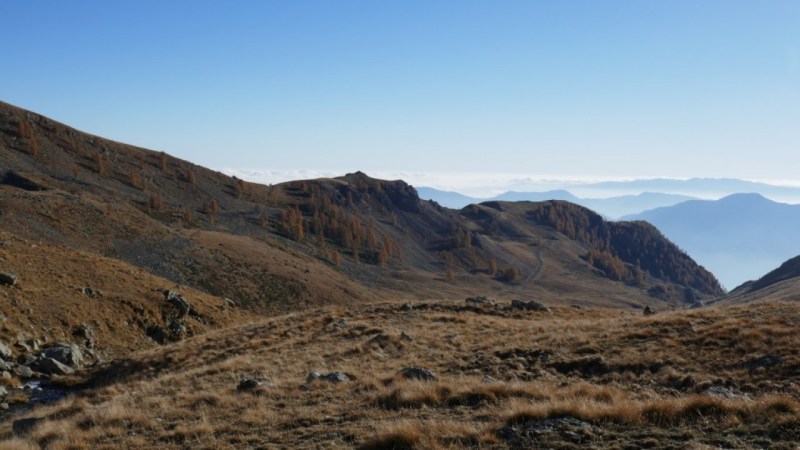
(211, 312)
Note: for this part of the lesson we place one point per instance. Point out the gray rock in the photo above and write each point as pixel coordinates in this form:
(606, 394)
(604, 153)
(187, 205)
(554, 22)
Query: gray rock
(181, 304)
(405, 337)
(479, 300)
(67, 354)
(23, 371)
(86, 333)
(416, 373)
(407, 307)
(336, 377)
(333, 377)
(230, 302)
(381, 340)
(648, 311)
(251, 384)
(23, 427)
(529, 306)
(568, 428)
(720, 392)
(50, 366)
(5, 352)
(6, 365)
(8, 279)
(25, 347)
(3, 391)
(313, 376)
(177, 329)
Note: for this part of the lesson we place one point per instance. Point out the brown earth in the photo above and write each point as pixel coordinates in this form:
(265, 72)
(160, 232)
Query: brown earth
(572, 378)
(97, 231)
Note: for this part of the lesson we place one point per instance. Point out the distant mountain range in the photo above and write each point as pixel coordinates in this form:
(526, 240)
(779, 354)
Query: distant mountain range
(739, 238)
(612, 208)
(706, 188)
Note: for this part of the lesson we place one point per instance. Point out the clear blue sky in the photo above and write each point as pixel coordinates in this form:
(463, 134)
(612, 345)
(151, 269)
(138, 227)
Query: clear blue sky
(551, 88)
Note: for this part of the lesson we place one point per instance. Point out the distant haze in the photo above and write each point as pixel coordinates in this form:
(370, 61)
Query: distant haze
(488, 185)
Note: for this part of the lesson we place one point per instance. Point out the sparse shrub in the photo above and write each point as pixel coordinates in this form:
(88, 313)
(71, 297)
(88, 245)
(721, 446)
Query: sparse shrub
(163, 162)
(134, 179)
(25, 131)
(99, 164)
(188, 216)
(240, 188)
(212, 209)
(156, 203)
(336, 258)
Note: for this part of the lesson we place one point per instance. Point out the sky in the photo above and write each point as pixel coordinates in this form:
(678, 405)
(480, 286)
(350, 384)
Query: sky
(576, 90)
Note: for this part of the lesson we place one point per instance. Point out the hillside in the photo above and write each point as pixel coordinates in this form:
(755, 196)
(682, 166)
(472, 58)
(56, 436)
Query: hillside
(192, 309)
(108, 249)
(486, 376)
(739, 238)
(273, 248)
(781, 284)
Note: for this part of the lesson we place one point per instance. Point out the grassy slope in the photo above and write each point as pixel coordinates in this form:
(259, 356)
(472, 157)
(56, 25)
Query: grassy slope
(630, 380)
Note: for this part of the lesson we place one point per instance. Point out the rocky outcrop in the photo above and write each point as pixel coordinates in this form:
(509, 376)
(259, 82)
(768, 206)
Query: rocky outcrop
(8, 279)
(59, 359)
(332, 377)
(529, 306)
(416, 373)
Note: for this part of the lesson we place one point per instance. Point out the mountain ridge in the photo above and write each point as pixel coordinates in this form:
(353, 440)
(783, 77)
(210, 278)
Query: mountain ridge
(288, 246)
(739, 237)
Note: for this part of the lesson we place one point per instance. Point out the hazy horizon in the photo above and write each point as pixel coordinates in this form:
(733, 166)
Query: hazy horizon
(487, 185)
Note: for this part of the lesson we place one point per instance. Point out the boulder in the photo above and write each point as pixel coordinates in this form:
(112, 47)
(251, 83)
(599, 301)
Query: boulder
(251, 384)
(23, 371)
(648, 311)
(313, 376)
(50, 366)
(91, 293)
(67, 354)
(720, 392)
(176, 300)
(478, 300)
(5, 351)
(416, 373)
(529, 306)
(332, 377)
(85, 332)
(336, 377)
(8, 279)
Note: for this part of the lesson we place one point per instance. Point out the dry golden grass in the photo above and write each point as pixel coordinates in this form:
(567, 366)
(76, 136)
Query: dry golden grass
(631, 380)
